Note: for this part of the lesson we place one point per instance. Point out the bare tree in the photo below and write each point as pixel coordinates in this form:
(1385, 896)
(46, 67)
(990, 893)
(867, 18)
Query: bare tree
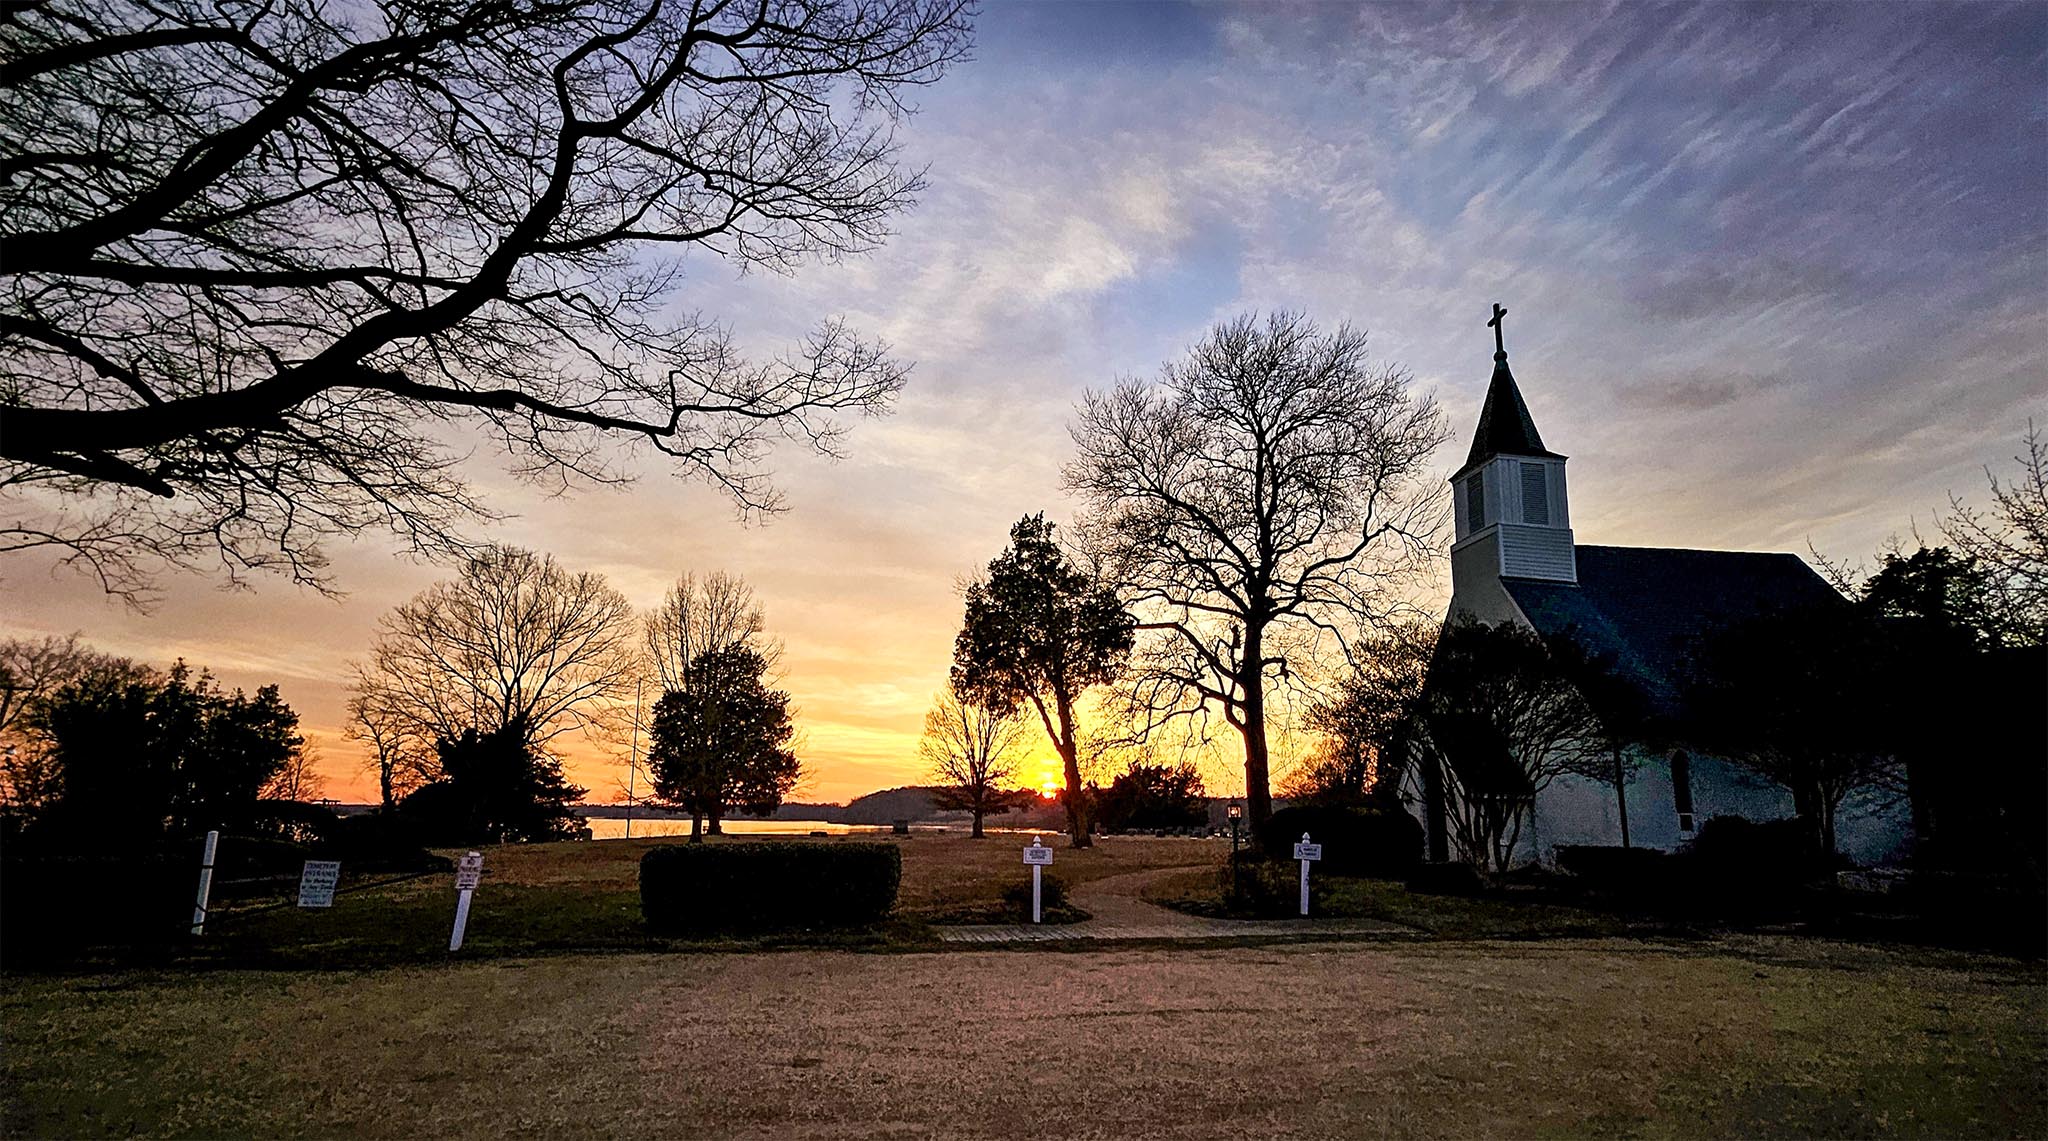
(30, 670)
(699, 615)
(974, 751)
(1500, 718)
(1265, 492)
(261, 261)
(513, 638)
(2011, 544)
(401, 745)
(300, 779)
(1365, 720)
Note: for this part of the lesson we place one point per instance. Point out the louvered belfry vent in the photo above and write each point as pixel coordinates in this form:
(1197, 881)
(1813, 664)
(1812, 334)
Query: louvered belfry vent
(1535, 495)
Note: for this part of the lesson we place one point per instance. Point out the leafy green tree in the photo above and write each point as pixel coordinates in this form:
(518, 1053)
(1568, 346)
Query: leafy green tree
(495, 789)
(1040, 630)
(723, 744)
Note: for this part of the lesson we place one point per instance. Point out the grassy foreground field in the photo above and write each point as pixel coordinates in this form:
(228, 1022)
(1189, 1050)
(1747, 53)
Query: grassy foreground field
(547, 898)
(1761, 1036)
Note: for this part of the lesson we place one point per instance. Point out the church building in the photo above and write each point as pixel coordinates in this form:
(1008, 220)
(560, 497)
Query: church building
(1642, 610)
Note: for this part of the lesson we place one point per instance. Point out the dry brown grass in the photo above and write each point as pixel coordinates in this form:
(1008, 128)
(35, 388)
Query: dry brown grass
(939, 869)
(1762, 1036)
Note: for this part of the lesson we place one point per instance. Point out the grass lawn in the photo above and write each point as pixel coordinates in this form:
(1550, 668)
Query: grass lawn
(1200, 892)
(1754, 1036)
(547, 898)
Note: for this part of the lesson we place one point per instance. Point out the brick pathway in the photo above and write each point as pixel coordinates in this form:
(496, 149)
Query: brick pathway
(1118, 914)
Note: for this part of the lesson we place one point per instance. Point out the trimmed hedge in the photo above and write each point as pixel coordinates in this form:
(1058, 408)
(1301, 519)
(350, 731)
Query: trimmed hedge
(1609, 868)
(1356, 842)
(767, 884)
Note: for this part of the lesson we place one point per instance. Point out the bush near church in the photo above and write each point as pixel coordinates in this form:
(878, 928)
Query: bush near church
(1356, 842)
(759, 885)
(1610, 868)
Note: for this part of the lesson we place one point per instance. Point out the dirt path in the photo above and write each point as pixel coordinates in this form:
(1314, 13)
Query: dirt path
(1117, 912)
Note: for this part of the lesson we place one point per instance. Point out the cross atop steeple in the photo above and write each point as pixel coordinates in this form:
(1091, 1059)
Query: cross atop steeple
(1500, 350)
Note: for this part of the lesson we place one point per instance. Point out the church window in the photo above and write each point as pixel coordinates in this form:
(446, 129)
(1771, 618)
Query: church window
(1681, 789)
(1535, 495)
(1475, 501)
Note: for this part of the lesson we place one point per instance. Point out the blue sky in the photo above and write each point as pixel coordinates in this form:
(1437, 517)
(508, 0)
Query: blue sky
(1774, 274)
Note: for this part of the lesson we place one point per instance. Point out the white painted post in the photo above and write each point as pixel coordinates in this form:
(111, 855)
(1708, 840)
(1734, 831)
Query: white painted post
(205, 883)
(1305, 852)
(1037, 855)
(467, 871)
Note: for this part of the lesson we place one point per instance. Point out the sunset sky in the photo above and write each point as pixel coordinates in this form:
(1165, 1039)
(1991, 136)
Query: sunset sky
(1774, 276)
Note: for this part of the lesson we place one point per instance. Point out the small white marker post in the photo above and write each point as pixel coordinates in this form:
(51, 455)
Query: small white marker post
(1307, 853)
(1039, 857)
(468, 870)
(205, 883)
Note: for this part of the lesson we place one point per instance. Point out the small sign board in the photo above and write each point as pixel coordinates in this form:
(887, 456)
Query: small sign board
(468, 870)
(317, 883)
(1308, 851)
(1036, 854)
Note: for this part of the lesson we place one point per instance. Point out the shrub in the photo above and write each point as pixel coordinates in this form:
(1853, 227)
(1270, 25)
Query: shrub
(767, 884)
(1052, 893)
(1608, 868)
(378, 841)
(1453, 878)
(1260, 886)
(1377, 843)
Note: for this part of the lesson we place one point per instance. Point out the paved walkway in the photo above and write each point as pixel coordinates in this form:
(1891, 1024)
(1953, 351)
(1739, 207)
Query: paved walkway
(1117, 913)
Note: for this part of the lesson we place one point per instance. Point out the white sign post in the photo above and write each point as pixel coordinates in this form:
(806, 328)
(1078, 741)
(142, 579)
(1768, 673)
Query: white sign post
(1307, 853)
(468, 870)
(1039, 857)
(205, 883)
(317, 883)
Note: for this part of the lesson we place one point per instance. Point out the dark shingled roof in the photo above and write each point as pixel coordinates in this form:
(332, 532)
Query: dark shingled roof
(1505, 427)
(1644, 609)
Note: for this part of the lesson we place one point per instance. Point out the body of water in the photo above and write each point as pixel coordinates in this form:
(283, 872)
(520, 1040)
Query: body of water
(605, 828)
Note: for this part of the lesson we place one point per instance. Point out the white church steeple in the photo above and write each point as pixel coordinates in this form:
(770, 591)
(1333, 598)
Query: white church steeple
(1512, 517)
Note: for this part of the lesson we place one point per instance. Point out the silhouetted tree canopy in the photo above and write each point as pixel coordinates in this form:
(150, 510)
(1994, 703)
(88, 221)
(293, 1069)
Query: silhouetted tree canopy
(1266, 493)
(973, 751)
(699, 615)
(2009, 544)
(264, 264)
(496, 788)
(514, 639)
(1148, 795)
(1795, 698)
(1500, 719)
(723, 744)
(136, 753)
(1365, 722)
(1040, 630)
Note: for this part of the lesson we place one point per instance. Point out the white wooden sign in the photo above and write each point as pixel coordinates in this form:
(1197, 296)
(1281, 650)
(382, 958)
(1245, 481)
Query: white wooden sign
(469, 870)
(1038, 855)
(1308, 851)
(317, 883)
